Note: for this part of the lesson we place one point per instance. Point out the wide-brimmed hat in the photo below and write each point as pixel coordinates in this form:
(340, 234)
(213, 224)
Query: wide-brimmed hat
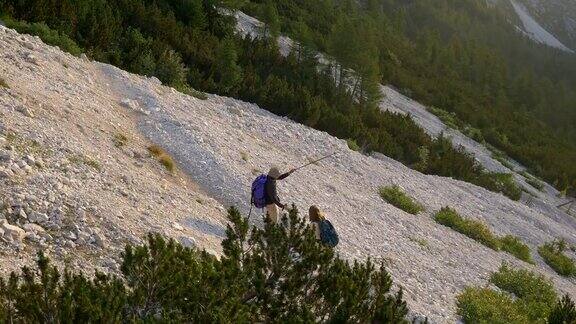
(274, 172)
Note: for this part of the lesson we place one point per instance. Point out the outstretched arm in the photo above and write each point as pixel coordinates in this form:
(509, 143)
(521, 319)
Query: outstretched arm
(285, 175)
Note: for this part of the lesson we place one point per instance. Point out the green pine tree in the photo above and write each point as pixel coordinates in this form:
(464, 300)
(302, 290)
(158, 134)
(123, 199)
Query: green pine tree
(229, 73)
(279, 273)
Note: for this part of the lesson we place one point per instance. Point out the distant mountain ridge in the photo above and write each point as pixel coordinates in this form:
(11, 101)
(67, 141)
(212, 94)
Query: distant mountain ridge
(551, 22)
(558, 16)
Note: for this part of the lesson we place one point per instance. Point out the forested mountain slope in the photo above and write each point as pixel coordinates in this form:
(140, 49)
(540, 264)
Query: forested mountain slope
(466, 57)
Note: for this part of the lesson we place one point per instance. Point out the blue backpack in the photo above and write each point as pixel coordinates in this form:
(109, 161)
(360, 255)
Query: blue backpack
(328, 233)
(259, 191)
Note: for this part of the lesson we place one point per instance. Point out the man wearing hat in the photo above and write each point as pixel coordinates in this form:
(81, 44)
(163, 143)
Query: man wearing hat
(271, 195)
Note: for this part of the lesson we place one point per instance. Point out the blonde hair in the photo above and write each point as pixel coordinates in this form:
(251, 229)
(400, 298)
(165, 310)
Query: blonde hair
(315, 214)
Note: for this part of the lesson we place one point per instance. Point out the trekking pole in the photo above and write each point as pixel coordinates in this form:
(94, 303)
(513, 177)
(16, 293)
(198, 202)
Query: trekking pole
(565, 204)
(315, 161)
(251, 203)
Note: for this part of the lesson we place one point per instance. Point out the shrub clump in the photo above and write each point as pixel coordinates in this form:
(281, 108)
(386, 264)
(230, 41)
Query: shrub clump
(353, 145)
(537, 184)
(163, 157)
(3, 83)
(564, 312)
(553, 255)
(535, 292)
(514, 246)
(48, 35)
(275, 274)
(525, 298)
(474, 229)
(500, 182)
(185, 89)
(484, 305)
(395, 196)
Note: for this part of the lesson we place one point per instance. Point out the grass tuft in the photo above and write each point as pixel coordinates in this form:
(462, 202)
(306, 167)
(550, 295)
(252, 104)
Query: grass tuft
(422, 242)
(48, 35)
(86, 160)
(163, 157)
(353, 145)
(394, 196)
(474, 229)
(120, 140)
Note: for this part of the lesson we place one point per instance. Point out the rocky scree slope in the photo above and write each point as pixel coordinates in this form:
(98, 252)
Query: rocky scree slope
(76, 178)
(85, 195)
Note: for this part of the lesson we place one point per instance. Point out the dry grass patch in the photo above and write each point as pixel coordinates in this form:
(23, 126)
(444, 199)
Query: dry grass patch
(86, 160)
(120, 140)
(163, 157)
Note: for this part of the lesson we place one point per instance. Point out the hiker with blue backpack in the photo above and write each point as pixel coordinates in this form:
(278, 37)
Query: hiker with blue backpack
(265, 195)
(323, 229)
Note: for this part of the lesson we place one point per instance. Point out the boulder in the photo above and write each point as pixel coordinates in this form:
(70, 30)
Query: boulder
(36, 217)
(12, 232)
(6, 173)
(187, 241)
(33, 228)
(129, 103)
(22, 214)
(29, 159)
(6, 156)
(99, 240)
(31, 58)
(177, 226)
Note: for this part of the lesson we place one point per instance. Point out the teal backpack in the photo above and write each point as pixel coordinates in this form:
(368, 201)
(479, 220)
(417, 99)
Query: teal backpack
(328, 234)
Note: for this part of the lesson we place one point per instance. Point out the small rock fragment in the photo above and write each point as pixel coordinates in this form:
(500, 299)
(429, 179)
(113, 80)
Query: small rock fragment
(34, 228)
(187, 241)
(36, 217)
(25, 111)
(99, 239)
